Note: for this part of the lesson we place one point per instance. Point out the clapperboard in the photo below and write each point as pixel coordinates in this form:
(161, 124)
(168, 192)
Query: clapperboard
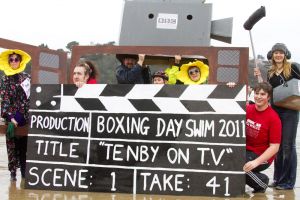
(139, 139)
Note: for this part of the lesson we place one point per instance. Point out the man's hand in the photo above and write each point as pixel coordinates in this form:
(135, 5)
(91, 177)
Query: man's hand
(250, 165)
(257, 74)
(231, 84)
(177, 59)
(14, 122)
(141, 59)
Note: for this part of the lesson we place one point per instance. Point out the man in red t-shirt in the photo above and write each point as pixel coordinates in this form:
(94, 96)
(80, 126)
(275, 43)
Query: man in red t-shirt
(263, 136)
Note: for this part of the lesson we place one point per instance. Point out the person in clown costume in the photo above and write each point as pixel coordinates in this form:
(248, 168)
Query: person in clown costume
(15, 92)
(193, 73)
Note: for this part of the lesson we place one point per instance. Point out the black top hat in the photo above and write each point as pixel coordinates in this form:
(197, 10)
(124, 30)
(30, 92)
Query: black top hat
(121, 57)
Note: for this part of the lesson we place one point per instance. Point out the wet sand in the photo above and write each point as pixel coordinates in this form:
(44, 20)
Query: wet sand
(15, 190)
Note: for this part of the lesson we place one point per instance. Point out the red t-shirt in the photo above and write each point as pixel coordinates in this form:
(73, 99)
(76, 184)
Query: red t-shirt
(262, 129)
(92, 81)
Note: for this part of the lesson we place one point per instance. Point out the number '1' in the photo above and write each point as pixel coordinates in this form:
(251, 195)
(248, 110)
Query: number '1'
(113, 184)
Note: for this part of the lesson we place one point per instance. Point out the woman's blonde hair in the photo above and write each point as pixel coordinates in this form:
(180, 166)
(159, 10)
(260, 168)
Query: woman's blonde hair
(287, 68)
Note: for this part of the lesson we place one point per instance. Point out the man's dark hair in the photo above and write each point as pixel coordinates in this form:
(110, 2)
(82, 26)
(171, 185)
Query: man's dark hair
(265, 86)
(17, 55)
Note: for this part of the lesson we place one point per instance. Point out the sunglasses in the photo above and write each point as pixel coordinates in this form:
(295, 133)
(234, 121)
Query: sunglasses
(195, 71)
(14, 60)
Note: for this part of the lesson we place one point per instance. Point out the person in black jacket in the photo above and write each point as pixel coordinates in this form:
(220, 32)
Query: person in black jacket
(132, 70)
(282, 71)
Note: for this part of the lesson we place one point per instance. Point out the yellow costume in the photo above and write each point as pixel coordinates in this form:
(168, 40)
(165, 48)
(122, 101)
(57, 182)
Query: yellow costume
(183, 74)
(172, 74)
(5, 66)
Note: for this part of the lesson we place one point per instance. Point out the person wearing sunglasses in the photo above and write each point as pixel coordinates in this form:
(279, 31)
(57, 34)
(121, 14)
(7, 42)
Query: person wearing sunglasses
(281, 71)
(15, 94)
(193, 73)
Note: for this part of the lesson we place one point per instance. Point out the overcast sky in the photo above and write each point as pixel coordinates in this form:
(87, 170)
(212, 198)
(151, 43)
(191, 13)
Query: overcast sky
(58, 22)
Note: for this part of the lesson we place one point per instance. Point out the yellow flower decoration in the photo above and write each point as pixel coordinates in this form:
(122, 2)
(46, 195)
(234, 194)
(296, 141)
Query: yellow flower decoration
(5, 66)
(1, 64)
(172, 72)
(183, 74)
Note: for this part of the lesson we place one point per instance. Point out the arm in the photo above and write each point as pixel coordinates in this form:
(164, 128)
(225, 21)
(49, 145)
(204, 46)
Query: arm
(231, 84)
(5, 104)
(177, 60)
(269, 152)
(257, 73)
(296, 70)
(141, 59)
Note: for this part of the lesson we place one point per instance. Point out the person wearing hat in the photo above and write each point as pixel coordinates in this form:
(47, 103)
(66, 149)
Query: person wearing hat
(281, 71)
(132, 70)
(193, 73)
(160, 77)
(15, 94)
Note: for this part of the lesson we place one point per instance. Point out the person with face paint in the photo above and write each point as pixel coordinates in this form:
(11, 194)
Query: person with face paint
(193, 73)
(15, 94)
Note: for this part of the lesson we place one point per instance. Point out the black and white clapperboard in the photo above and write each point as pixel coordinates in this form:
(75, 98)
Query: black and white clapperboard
(149, 139)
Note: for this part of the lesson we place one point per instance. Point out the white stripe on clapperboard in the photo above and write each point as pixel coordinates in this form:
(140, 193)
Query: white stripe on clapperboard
(166, 104)
(135, 167)
(137, 140)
